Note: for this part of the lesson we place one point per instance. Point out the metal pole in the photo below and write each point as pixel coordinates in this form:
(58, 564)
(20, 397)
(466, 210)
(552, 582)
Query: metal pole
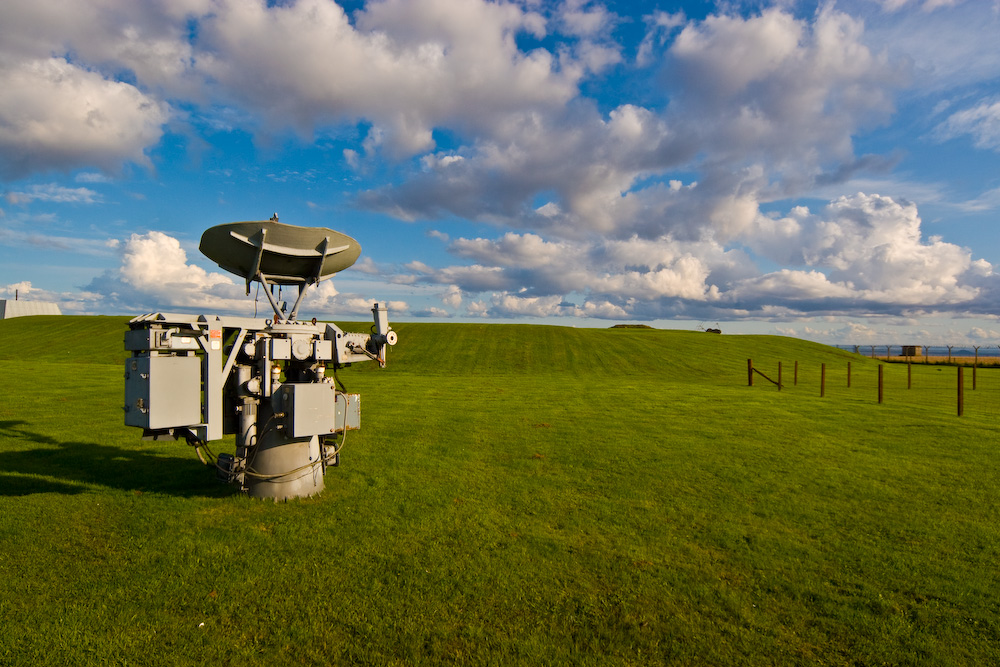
(961, 392)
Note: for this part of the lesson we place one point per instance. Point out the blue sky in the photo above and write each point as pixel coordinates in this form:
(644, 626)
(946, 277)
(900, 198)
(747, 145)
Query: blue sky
(825, 170)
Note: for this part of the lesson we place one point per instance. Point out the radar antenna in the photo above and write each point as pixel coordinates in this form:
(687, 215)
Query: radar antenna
(201, 377)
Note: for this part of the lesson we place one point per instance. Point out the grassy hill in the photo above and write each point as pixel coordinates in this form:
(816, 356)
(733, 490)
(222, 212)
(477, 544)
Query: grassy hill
(465, 349)
(517, 495)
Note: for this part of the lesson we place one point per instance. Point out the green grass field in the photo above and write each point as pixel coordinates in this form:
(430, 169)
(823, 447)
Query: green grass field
(517, 495)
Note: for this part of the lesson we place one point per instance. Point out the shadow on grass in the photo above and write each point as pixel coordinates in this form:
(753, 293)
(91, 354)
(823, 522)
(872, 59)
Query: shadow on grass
(67, 467)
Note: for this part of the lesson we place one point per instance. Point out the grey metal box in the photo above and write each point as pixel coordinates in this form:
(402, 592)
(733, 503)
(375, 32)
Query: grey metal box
(317, 409)
(162, 392)
(348, 412)
(281, 348)
(323, 350)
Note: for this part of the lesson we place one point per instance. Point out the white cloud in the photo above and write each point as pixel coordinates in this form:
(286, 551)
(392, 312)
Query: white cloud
(950, 49)
(52, 192)
(981, 122)
(648, 207)
(154, 274)
(872, 247)
(862, 254)
(763, 108)
(70, 303)
(407, 65)
(452, 297)
(660, 25)
(56, 115)
(775, 87)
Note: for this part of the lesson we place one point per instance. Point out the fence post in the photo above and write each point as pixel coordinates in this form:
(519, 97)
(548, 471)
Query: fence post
(749, 372)
(961, 393)
(880, 384)
(822, 380)
(779, 376)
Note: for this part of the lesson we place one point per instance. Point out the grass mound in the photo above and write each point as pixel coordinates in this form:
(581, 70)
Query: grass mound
(517, 495)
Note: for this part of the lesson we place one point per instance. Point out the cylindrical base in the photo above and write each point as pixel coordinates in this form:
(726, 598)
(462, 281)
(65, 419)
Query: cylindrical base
(282, 469)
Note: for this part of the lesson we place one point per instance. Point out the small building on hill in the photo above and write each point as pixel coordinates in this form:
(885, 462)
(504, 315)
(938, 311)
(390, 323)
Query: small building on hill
(21, 308)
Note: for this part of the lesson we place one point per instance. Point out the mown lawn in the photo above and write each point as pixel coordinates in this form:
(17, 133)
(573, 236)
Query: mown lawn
(517, 495)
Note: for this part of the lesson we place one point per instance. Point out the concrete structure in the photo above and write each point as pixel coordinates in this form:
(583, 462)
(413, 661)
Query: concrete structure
(21, 308)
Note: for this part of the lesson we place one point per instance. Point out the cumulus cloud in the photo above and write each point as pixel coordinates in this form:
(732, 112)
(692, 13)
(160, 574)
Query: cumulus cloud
(872, 246)
(772, 86)
(862, 254)
(648, 207)
(56, 115)
(406, 65)
(762, 108)
(155, 274)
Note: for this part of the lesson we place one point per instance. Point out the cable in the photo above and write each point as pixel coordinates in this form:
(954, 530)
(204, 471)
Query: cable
(356, 349)
(250, 472)
(340, 384)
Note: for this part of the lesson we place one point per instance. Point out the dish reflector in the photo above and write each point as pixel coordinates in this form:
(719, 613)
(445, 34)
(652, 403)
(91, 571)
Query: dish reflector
(283, 254)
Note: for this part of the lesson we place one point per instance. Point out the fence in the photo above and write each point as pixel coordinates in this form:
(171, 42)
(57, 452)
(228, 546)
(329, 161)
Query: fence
(920, 386)
(985, 355)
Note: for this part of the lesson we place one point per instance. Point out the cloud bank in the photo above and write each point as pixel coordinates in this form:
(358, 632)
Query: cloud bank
(696, 199)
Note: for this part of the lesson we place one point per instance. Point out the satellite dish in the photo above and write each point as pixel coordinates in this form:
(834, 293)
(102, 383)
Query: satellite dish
(281, 254)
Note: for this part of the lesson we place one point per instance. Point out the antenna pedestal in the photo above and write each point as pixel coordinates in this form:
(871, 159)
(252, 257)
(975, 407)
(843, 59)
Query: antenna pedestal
(202, 377)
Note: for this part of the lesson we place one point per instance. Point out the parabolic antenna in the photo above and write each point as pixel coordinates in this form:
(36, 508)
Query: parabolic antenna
(280, 254)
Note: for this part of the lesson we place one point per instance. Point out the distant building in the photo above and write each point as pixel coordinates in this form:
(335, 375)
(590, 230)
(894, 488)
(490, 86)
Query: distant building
(909, 350)
(21, 308)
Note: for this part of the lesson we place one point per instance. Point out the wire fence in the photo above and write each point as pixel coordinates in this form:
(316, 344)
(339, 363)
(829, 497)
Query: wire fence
(957, 389)
(985, 355)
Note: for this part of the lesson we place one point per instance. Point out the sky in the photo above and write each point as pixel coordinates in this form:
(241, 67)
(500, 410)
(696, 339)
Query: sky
(825, 170)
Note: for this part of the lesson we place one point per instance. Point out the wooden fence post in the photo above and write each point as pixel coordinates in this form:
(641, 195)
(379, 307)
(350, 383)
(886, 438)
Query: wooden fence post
(822, 380)
(749, 372)
(961, 393)
(880, 384)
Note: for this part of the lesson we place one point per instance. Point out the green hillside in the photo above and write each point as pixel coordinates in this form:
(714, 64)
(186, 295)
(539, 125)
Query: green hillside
(88, 340)
(517, 495)
(471, 349)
